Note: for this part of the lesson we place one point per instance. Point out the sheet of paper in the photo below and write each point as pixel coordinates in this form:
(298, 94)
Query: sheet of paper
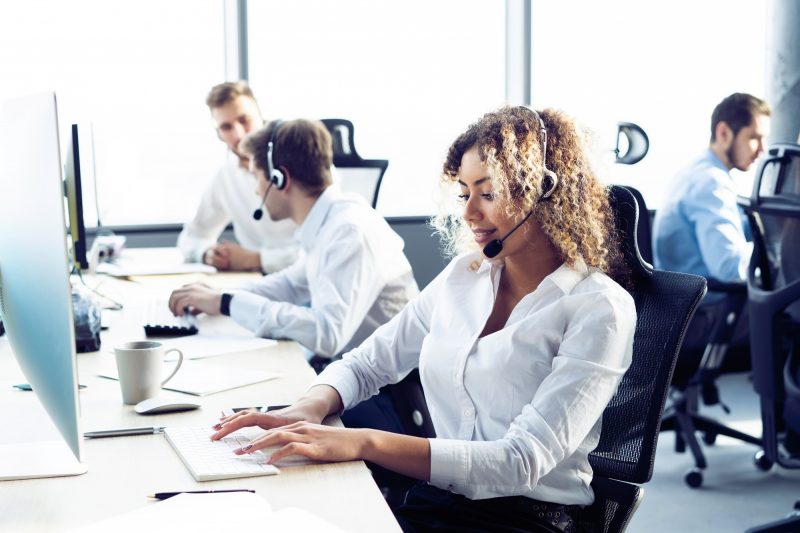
(199, 513)
(201, 378)
(211, 513)
(151, 262)
(200, 346)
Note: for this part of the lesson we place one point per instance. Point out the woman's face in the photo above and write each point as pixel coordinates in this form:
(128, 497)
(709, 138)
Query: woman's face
(483, 213)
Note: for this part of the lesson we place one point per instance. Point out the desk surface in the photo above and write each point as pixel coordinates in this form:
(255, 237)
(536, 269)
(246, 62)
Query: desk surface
(122, 471)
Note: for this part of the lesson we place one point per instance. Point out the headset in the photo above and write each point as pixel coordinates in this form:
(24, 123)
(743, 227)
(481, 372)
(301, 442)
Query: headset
(275, 176)
(549, 183)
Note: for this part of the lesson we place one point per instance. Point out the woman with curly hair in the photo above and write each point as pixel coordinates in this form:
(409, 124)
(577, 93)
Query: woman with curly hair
(520, 342)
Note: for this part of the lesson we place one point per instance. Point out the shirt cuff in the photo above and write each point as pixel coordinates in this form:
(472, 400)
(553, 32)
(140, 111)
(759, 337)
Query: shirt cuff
(247, 310)
(449, 463)
(338, 376)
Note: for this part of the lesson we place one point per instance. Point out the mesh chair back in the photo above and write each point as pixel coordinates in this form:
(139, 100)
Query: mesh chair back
(355, 174)
(665, 303)
(773, 280)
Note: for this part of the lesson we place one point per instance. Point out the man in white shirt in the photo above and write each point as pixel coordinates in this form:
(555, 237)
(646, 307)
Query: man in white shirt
(353, 276)
(264, 245)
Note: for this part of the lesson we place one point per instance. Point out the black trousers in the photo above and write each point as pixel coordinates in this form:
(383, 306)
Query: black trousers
(428, 508)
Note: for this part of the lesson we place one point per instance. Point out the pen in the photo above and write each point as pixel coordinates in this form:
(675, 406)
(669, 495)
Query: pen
(26, 386)
(123, 432)
(165, 495)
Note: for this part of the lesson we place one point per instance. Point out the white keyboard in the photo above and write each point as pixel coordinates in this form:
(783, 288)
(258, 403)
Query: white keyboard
(209, 460)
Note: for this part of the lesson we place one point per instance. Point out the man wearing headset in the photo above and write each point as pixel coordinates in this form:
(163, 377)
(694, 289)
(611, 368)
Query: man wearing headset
(353, 275)
(266, 246)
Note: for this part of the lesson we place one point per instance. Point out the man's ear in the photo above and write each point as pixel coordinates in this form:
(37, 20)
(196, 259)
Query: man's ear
(287, 178)
(723, 133)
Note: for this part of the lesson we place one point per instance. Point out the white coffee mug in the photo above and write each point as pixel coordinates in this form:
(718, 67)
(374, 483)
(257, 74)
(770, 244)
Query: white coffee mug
(140, 365)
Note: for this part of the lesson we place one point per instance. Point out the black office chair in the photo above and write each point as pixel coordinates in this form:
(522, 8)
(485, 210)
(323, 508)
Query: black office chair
(362, 176)
(624, 457)
(774, 297)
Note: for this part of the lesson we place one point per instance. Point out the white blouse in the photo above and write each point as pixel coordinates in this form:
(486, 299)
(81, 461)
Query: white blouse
(515, 412)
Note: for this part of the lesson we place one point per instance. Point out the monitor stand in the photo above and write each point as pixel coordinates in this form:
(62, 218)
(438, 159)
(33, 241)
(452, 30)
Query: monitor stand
(29, 460)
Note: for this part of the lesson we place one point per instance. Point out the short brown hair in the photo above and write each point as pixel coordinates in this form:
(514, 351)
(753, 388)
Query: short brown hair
(304, 147)
(737, 111)
(221, 94)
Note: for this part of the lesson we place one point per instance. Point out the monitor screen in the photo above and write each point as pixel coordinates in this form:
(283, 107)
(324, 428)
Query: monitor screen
(35, 294)
(74, 193)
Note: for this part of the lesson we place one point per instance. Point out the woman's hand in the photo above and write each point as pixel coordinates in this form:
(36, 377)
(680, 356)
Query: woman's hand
(305, 410)
(315, 441)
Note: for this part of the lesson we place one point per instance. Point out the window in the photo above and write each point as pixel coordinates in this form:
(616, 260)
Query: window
(663, 66)
(410, 76)
(139, 73)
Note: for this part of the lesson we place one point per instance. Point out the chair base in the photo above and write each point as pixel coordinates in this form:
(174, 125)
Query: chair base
(686, 425)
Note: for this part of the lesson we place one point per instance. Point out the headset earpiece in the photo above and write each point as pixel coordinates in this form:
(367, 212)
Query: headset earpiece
(549, 178)
(549, 183)
(275, 175)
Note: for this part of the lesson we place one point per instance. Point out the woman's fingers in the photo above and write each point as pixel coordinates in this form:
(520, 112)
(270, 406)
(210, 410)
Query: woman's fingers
(275, 437)
(239, 420)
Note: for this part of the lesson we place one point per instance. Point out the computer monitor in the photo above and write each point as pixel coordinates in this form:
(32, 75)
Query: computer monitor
(35, 295)
(74, 193)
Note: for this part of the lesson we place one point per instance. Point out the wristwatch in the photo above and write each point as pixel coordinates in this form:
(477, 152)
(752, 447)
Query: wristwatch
(225, 304)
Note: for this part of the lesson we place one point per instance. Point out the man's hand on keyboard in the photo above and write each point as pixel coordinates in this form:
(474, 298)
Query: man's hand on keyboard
(315, 441)
(197, 298)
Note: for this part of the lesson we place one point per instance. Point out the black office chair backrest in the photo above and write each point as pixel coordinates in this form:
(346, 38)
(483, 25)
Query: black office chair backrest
(773, 278)
(358, 175)
(638, 143)
(644, 232)
(665, 303)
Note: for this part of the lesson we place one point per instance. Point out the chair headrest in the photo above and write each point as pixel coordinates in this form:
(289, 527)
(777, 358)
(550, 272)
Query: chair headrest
(637, 140)
(626, 215)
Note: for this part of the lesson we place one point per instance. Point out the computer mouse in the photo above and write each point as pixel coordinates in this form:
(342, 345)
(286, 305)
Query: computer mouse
(160, 405)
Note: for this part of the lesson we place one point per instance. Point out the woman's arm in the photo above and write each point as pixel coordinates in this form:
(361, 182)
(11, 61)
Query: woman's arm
(410, 456)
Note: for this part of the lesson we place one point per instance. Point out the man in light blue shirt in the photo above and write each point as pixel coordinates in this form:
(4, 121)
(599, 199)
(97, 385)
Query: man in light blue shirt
(699, 228)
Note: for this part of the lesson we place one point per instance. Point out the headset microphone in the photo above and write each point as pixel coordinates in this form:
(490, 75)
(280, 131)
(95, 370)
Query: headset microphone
(258, 213)
(549, 183)
(496, 246)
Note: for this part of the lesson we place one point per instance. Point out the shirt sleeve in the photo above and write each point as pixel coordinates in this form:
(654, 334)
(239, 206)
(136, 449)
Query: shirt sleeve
(346, 284)
(712, 210)
(593, 356)
(386, 356)
(202, 232)
(276, 259)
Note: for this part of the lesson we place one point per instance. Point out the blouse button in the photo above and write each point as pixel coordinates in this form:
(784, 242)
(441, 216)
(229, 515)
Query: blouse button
(468, 412)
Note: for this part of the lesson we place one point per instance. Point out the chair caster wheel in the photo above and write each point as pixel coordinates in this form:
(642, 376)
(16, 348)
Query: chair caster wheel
(709, 437)
(761, 461)
(694, 478)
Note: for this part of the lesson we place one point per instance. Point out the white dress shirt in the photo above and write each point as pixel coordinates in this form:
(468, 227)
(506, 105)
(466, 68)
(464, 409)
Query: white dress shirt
(515, 412)
(231, 196)
(352, 278)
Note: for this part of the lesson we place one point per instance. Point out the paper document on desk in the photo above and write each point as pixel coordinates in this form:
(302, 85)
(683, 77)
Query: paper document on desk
(151, 262)
(200, 346)
(211, 513)
(200, 378)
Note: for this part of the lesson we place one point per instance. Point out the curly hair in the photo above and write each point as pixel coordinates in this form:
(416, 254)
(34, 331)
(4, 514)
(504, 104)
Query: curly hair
(576, 218)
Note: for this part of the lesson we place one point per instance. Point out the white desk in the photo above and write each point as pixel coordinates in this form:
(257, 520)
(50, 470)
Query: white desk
(123, 470)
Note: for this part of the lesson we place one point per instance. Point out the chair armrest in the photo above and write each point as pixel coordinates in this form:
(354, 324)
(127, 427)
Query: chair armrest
(730, 287)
